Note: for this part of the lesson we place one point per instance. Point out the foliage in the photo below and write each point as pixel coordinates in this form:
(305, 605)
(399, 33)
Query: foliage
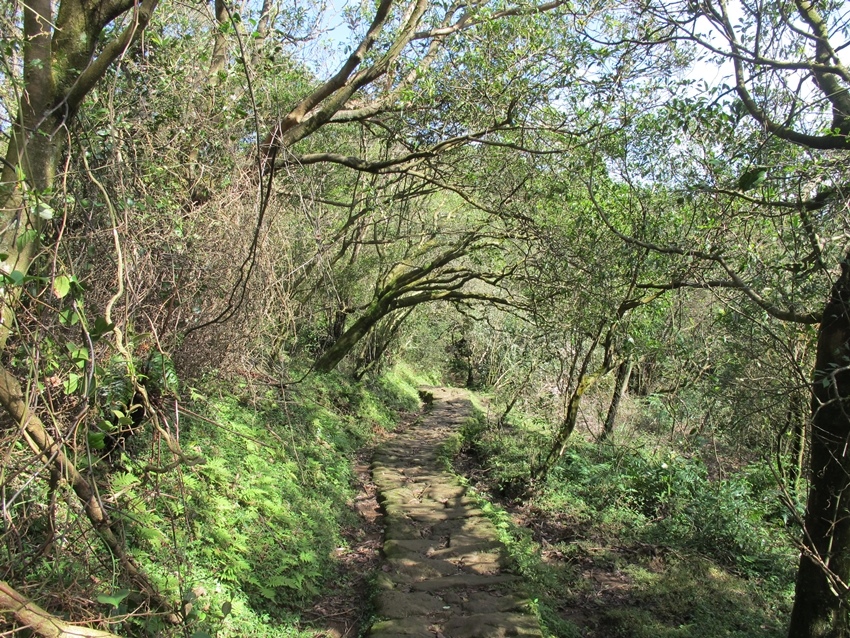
(247, 537)
(513, 197)
(694, 548)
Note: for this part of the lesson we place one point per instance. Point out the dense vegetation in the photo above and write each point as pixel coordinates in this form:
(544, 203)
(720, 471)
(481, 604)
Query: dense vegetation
(234, 238)
(641, 536)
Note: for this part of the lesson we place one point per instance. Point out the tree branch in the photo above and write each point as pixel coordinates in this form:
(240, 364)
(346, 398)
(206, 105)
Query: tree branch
(792, 316)
(51, 452)
(714, 257)
(821, 142)
(41, 622)
(111, 52)
(467, 20)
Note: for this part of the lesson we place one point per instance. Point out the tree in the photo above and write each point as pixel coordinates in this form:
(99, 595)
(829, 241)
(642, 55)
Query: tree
(64, 56)
(406, 285)
(143, 140)
(67, 48)
(789, 80)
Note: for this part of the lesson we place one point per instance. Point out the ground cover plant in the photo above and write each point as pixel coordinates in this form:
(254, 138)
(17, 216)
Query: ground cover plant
(249, 534)
(618, 216)
(637, 539)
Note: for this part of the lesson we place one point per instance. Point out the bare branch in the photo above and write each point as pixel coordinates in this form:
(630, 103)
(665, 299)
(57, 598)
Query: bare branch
(468, 20)
(40, 621)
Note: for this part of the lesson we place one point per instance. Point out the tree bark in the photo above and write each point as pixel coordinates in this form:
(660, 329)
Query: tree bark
(584, 382)
(820, 605)
(797, 422)
(624, 371)
(59, 70)
(359, 329)
(559, 446)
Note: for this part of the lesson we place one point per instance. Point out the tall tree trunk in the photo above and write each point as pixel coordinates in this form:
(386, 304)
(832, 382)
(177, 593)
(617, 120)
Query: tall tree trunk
(624, 371)
(18, 247)
(59, 69)
(820, 604)
(31, 158)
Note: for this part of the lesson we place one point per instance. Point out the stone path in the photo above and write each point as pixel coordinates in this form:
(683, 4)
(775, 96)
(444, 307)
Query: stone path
(444, 575)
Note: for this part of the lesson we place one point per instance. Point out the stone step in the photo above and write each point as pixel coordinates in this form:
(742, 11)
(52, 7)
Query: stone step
(444, 573)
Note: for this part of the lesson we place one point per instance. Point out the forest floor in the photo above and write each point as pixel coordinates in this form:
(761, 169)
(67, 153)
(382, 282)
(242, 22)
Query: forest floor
(426, 557)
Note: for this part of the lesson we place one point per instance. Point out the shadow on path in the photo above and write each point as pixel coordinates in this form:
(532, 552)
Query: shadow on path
(444, 575)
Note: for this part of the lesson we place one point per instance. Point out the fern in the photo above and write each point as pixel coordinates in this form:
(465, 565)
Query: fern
(161, 373)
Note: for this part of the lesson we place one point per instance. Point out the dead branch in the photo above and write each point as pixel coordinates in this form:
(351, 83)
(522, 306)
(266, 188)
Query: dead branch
(40, 621)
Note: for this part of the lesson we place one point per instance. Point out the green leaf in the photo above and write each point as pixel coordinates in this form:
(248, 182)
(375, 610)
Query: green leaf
(101, 327)
(105, 425)
(226, 608)
(69, 317)
(96, 441)
(61, 286)
(161, 371)
(752, 178)
(16, 277)
(26, 237)
(201, 634)
(77, 354)
(114, 599)
(72, 383)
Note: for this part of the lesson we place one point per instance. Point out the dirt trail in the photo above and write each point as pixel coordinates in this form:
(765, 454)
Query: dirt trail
(444, 575)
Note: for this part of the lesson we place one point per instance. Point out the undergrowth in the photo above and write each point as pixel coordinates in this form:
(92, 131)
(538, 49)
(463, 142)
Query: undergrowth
(639, 541)
(247, 538)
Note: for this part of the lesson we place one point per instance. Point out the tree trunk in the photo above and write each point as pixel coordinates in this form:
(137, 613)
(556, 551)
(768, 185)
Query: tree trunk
(567, 425)
(351, 337)
(381, 342)
(624, 371)
(34, 158)
(59, 69)
(820, 604)
(797, 420)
